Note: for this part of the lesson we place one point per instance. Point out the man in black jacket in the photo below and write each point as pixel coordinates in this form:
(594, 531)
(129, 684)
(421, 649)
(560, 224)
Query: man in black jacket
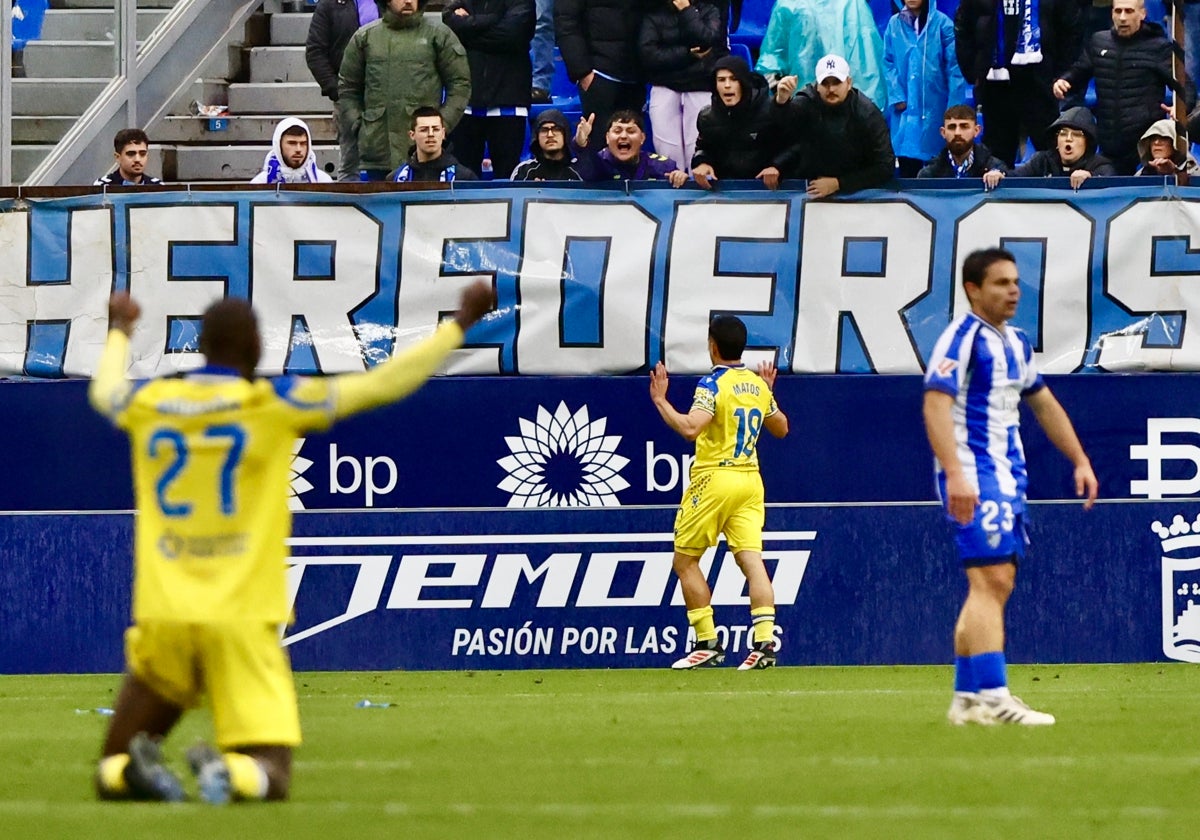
(496, 35)
(738, 138)
(552, 160)
(598, 40)
(332, 24)
(1131, 63)
(1074, 154)
(837, 138)
(1012, 66)
(963, 157)
(429, 161)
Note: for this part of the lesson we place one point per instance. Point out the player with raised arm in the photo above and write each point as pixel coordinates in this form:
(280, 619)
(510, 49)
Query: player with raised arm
(981, 369)
(730, 407)
(211, 453)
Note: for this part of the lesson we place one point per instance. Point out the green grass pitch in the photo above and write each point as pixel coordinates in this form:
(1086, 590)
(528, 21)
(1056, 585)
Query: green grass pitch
(793, 752)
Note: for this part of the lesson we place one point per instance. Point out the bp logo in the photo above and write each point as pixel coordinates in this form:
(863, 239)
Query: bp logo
(1180, 588)
(298, 483)
(563, 460)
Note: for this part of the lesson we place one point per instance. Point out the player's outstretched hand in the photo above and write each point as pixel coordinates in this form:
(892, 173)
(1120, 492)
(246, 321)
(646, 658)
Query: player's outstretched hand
(1086, 485)
(123, 312)
(658, 382)
(767, 371)
(477, 300)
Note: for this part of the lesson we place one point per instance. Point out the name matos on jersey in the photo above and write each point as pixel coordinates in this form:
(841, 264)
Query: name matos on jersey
(511, 571)
(1180, 587)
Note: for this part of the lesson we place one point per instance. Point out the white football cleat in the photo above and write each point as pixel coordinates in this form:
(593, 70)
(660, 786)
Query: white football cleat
(1010, 709)
(703, 655)
(968, 708)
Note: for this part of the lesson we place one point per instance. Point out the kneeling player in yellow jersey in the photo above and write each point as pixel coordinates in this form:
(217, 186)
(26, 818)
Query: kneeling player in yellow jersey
(725, 492)
(211, 453)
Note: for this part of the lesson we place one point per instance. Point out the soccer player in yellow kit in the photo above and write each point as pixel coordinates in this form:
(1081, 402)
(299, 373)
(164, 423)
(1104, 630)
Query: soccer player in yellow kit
(730, 408)
(211, 454)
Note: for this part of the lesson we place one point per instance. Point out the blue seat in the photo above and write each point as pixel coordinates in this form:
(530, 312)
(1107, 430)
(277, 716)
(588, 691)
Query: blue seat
(562, 89)
(741, 51)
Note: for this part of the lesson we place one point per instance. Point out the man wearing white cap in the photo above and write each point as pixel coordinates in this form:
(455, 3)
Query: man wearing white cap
(839, 138)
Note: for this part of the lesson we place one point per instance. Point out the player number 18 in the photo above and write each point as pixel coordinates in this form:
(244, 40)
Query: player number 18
(749, 425)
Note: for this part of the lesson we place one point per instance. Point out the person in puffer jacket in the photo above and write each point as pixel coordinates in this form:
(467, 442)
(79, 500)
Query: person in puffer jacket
(923, 80)
(738, 139)
(1074, 154)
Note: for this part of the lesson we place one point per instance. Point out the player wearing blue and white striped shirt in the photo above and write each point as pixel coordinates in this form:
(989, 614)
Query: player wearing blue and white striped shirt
(980, 371)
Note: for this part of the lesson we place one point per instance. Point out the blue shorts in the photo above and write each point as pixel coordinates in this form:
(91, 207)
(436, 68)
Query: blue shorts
(996, 535)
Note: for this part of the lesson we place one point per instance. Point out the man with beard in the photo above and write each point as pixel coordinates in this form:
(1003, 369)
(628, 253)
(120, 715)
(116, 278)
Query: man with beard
(839, 140)
(963, 157)
(131, 148)
(737, 138)
(429, 162)
(623, 158)
(390, 68)
(549, 147)
(291, 159)
(1074, 154)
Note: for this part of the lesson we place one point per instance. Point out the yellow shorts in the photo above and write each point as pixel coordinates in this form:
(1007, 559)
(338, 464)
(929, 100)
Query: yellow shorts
(721, 501)
(241, 666)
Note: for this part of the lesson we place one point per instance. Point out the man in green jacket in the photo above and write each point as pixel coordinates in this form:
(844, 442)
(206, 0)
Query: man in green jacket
(390, 68)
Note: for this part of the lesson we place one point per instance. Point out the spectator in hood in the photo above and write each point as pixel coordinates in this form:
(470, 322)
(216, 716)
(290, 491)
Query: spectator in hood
(291, 159)
(737, 136)
(552, 160)
(429, 161)
(1131, 63)
(1164, 151)
(923, 79)
(333, 23)
(1074, 154)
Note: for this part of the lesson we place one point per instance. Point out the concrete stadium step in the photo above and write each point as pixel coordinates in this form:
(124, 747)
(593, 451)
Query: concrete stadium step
(55, 97)
(290, 29)
(248, 128)
(277, 98)
(109, 4)
(43, 129)
(232, 163)
(25, 158)
(74, 59)
(278, 64)
(95, 24)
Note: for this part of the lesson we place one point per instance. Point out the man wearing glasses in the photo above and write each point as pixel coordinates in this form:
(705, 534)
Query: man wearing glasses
(552, 160)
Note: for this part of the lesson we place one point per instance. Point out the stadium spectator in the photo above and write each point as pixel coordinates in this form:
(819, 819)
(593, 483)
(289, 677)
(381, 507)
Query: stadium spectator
(598, 41)
(209, 591)
(923, 79)
(622, 158)
(291, 159)
(413, 61)
(1131, 63)
(679, 45)
(1013, 64)
(963, 156)
(725, 490)
(1074, 154)
(541, 52)
(551, 158)
(839, 140)
(131, 148)
(1164, 151)
(333, 23)
(801, 31)
(971, 418)
(737, 133)
(496, 34)
(429, 161)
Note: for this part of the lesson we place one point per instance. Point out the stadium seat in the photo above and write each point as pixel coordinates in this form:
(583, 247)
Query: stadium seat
(562, 90)
(741, 51)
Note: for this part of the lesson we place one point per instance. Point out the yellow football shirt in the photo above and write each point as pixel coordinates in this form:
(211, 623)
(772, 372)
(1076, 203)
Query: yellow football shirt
(739, 401)
(211, 454)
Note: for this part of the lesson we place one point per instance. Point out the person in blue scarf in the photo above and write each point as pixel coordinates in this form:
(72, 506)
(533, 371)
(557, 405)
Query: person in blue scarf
(291, 159)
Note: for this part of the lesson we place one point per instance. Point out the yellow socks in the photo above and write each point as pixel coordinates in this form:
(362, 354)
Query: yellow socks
(110, 776)
(702, 620)
(247, 778)
(763, 619)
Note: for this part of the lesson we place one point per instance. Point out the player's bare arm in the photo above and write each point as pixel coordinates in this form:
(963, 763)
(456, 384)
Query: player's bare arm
(1052, 417)
(777, 423)
(939, 427)
(689, 425)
